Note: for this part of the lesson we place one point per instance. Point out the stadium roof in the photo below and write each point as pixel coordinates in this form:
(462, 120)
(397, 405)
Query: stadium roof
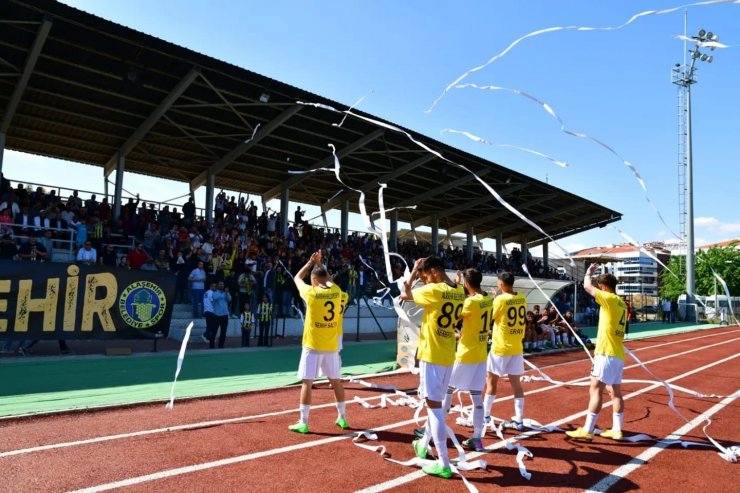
(78, 87)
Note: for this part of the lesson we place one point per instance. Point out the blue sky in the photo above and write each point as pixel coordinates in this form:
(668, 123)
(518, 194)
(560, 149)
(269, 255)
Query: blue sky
(613, 85)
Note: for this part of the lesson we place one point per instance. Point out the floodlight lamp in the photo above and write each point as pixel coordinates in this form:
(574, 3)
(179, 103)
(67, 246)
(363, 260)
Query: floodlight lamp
(695, 54)
(703, 58)
(709, 59)
(702, 32)
(710, 35)
(715, 37)
(264, 97)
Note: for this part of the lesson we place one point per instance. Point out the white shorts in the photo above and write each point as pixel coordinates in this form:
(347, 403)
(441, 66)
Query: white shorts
(433, 381)
(608, 369)
(468, 376)
(328, 362)
(505, 365)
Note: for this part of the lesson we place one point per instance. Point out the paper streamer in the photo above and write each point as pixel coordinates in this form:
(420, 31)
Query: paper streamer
(490, 189)
(480, 140)
(729, 298)
(701, 44)
(581, 135)
(572, 330)
(180, 358)
(540, 32)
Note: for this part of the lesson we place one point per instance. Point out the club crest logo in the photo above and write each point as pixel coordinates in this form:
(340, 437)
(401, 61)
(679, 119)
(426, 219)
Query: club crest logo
(142, 304)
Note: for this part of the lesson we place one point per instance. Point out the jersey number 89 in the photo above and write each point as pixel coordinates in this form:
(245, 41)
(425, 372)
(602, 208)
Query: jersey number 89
(445, 320)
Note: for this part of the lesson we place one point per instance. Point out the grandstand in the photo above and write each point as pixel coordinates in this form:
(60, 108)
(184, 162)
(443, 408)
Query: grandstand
(173, 113)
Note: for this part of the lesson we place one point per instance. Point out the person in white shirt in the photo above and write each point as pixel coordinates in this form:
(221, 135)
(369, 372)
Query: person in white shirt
(87, 254)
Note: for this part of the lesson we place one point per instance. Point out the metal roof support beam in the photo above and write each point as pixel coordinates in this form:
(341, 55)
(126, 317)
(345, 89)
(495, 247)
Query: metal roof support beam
(383, 179)
(435, 235)
(578, 221)
(118, 195)
(545, 254)
(523, 249)
(20, 87)
(556, 211)
(210, 188)
(284, 205)
(469, 244)
(453, 210)
(153, 118)
(504, 212)
(234, 154)
(2, 150)
(394, 230)
(296, 179)
(418, 199)
(345, 220)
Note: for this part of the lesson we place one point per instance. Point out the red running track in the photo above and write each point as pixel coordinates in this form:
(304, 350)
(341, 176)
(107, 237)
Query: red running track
(241, 443)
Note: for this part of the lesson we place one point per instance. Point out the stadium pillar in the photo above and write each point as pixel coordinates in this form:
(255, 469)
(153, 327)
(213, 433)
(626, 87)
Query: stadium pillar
(545, 255)
(117, 198)
(499, 245)
(210, 186)
(469, 245)
(523, 248)
(394, 231)
(284, 205)
(435, 235)
(2, 150)
(345, 220)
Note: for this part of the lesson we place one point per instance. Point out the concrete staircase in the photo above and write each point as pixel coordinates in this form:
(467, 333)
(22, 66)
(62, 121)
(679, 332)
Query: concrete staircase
(182, 315)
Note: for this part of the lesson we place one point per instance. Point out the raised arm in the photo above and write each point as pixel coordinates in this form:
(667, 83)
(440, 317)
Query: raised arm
(587, 285)
(306, 269)
(406, 295)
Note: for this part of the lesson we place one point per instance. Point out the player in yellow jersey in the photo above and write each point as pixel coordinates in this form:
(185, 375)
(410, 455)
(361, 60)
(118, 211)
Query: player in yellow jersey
(320, 338)
(442, 300)
(507, 352)
(469, 371)
(608, 363)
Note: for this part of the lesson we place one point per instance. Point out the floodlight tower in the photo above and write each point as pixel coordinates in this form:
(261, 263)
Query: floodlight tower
(684, 78)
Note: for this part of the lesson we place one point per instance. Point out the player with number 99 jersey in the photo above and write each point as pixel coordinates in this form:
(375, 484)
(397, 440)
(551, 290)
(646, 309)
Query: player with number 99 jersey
(477, 320)
(509, 316)
(323, 315)
(443, 305)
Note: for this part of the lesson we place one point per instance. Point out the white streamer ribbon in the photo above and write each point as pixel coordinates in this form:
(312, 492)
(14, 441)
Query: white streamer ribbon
(180, 358)
(727, 293)
(481, 140)
(540, 32)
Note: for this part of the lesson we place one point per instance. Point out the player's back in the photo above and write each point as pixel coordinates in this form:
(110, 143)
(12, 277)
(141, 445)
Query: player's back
(323, 317)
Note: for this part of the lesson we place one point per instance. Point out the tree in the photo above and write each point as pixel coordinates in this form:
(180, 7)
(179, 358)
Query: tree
(724, 261)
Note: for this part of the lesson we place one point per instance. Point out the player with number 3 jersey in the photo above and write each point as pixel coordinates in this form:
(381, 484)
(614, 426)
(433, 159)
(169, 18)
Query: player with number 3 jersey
(507, 353)
(321, 340)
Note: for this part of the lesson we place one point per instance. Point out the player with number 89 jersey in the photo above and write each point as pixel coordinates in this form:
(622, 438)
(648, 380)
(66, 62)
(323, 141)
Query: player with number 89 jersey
(443, 305)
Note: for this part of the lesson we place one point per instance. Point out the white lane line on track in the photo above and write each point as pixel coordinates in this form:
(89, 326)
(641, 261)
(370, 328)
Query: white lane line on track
(291, 448)
(639, 349)
(648, 454)
(393, 483)
(205, 424)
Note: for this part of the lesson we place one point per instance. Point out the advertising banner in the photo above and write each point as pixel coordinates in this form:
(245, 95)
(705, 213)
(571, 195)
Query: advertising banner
(66, 301)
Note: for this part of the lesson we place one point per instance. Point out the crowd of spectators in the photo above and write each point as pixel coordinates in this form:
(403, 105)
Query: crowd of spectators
(242, 247)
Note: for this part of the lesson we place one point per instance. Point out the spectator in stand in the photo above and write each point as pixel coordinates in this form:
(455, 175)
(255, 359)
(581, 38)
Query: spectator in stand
(149, 265)
(87, 254)
(208, 313)
(8, 249)
(264, 314)
(74, 201)
(6, 222)
(108, 257)
(162, 262)
(32, 250)
(11, 203)
(247, 288)
(188, 212)
(197, 280)
(91, 204)
(123, 262)
(137, 256)
(298, 216)
(268, 281)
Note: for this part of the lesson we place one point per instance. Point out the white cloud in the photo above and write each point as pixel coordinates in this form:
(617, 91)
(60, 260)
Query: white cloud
(717, 227)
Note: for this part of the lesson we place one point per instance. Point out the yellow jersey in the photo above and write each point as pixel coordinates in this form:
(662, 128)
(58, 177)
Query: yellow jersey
(323, 317)
(442, 308)
(476, 325)
(344, 298)
(612, 324)
(510, 318)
